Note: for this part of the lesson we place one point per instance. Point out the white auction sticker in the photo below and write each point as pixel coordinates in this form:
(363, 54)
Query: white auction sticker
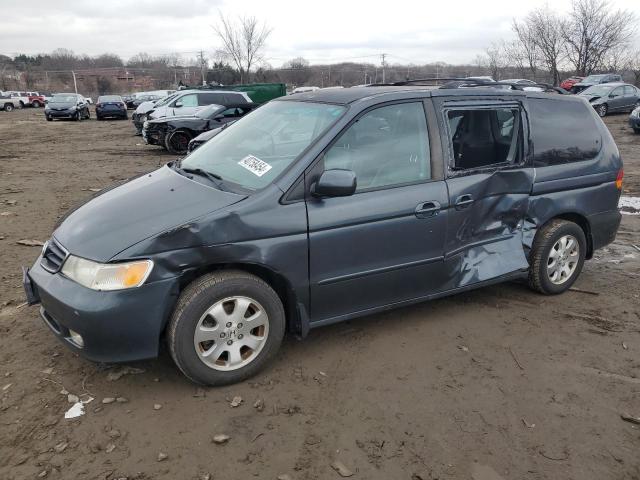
(255, 165)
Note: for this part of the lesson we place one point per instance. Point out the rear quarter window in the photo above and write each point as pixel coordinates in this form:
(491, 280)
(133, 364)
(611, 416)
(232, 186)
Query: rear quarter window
(563, 132)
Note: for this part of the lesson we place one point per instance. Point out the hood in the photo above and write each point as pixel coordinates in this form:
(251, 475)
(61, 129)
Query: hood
(208, 135)
(144, 107)
(143, 207)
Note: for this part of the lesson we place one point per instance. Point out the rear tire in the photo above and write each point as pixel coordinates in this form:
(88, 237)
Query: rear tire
(8, 107)
(222, 305)
(36, 104)
(556, 257)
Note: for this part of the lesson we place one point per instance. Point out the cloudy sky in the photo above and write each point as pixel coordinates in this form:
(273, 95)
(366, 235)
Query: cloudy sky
(329, 31)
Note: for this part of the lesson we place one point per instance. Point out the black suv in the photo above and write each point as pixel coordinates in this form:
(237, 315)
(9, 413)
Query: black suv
(324, 206)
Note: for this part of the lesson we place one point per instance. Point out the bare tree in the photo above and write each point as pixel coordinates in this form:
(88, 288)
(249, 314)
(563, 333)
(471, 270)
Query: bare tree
(242, 42)
(296, 71)
(525, 48)
(544, 28)
(593, 31)
(634, 66)
(496, 57)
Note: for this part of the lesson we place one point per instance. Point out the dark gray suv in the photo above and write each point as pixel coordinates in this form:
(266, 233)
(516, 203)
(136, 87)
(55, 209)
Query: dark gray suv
(329, 205)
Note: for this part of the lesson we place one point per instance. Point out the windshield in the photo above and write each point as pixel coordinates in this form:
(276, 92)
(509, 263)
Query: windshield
(209, 111)
(63, 99)
(598, 90)
(257, 148)
(592, 78)
(166, 100)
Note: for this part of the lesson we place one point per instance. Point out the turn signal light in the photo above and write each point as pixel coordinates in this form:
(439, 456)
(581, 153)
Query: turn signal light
(619, 179)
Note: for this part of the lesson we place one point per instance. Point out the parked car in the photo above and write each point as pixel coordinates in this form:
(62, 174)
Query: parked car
(36, 100)
(634, 119)
(89, 100)
(67, 105)
(304, 89)
(189, 102)
(528, 85)
(321, 207)
(146, 98)
(8, 103)
(592, 80)
(175, 133)
(128, 99)
(140, 115)
(567, 83)
(204, 137)
(47, 96)
(612, 97)
(111, 106)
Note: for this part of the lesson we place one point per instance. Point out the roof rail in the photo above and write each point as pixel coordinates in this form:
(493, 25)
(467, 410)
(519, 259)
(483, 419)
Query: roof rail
(457, 82)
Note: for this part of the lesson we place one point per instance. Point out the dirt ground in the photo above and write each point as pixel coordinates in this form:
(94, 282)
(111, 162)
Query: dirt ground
(498, 383)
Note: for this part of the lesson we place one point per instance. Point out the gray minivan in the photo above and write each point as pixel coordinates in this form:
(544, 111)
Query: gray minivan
(324, 206)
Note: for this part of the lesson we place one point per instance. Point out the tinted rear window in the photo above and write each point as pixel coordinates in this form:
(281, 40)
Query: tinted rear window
(109, 98)
(563, 131)
(221, 98)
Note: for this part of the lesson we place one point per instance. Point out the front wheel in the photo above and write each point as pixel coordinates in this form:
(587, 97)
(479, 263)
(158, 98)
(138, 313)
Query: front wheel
(177, 142)
(225, 328)
(602, 110)
(36, 104)
(557, 257)
(8, 107)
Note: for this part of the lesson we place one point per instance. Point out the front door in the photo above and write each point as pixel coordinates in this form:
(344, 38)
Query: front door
(489, 183)
(384, 244)
(185, 105)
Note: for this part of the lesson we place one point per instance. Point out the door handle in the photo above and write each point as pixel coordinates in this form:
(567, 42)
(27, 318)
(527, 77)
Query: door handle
(463, 201)
(427, 209)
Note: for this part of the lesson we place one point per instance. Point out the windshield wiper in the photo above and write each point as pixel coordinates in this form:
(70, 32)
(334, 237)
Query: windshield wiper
(189, 172)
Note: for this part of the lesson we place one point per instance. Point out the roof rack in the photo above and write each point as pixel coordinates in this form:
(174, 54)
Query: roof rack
(457, 82)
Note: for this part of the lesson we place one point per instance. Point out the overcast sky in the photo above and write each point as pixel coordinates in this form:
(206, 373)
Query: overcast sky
(416, 31)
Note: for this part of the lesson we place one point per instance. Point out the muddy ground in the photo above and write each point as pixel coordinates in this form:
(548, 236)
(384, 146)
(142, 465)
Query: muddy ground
(499, 383)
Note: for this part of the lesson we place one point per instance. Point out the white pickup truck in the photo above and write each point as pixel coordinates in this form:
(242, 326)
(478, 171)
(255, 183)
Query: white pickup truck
(8, 103)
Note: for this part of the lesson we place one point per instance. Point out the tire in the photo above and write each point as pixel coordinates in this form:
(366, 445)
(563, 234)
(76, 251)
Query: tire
(602, 110)
(8, 107)
(215, 361)
(49, 119)
(547, 249)
(21, 104)
(77, 117)
(177, 142)
(636, 130)
(35, 104)
(98, 117)
(88, 115)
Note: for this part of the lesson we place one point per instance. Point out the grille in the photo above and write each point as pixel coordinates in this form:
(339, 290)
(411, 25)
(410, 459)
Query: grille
(54, 256)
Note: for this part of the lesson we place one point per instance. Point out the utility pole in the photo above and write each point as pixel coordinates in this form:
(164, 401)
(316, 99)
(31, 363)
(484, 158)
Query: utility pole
(203, 68)
(75, 85)
(383, 65)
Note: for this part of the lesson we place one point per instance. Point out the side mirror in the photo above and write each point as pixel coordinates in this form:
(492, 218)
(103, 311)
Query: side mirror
(335, 183)
(612, 95)
(219, 117)
(177, 105)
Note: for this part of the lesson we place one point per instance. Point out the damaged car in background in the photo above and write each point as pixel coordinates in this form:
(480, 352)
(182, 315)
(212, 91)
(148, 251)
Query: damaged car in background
(612, 97)
(175, 133)
(325, 206)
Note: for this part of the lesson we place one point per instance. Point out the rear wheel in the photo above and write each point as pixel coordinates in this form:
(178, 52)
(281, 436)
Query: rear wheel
(8, 107)
(36, 104)
(225, 328)
(177, 142)
(557, 257)
(602, 110)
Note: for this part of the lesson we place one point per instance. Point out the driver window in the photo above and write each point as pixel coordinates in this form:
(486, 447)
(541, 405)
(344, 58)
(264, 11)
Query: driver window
(188, 100)
(617, 92)
(385, 147)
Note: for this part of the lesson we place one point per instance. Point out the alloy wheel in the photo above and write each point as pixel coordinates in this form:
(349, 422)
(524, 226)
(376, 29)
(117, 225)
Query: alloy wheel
(563, 259)
(231, 333)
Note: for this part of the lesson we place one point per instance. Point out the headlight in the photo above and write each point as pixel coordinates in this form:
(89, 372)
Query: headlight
(110, 276)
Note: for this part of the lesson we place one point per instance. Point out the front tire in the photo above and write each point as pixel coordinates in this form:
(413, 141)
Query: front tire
(36, 104)
(602, 110)
(557, 257)
(177, 142)
(8, 107)
(226, 327)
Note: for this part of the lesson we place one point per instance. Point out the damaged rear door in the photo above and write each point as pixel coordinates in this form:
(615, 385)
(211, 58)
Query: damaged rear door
(489, 182)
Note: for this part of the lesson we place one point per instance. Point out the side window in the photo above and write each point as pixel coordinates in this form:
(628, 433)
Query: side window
(232, 113)
(562, 131)
(190, 100)
(384, 147)
(617, 92)
(629, 90)
(208, 98)
(484, 137)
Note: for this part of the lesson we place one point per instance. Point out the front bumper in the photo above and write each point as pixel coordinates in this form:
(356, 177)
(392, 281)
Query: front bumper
(118, 112)
(61, 113)
(151, 137)
(116, 326)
